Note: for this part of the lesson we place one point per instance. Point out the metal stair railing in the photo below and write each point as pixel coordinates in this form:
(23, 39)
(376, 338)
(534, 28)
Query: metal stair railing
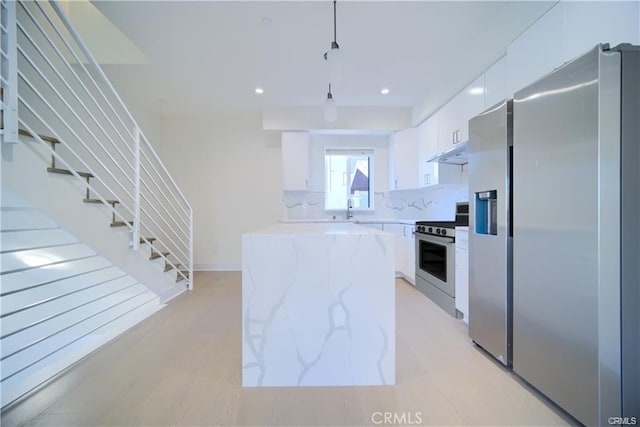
(64, 94)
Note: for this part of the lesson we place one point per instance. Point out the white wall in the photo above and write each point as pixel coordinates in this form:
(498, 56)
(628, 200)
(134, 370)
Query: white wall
(229, 170)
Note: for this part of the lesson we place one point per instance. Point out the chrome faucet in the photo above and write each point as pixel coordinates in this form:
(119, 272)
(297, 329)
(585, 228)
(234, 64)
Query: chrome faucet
(349, 207)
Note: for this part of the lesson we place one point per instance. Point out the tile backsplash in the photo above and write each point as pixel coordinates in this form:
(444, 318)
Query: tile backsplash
(430, 203)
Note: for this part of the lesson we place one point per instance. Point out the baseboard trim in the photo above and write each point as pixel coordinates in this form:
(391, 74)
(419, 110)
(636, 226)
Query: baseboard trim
(217, 267)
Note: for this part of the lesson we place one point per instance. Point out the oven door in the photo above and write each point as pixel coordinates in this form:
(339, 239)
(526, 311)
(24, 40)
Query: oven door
(435, 261)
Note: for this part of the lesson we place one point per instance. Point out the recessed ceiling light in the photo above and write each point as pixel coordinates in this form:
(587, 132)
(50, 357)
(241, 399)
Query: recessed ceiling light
(259, 90)
(476, 90)
(384, 91)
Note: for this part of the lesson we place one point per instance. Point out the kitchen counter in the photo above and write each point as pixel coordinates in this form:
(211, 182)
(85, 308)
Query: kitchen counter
(352, 221)
(318, 304)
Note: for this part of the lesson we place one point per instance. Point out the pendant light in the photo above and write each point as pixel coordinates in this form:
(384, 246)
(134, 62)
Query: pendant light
(330, 110)
(334, 56)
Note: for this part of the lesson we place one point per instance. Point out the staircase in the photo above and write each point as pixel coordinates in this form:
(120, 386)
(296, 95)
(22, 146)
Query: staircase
(156, 251)
(73, 153)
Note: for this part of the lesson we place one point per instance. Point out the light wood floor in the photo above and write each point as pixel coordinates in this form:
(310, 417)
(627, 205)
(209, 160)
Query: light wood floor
(183, 367)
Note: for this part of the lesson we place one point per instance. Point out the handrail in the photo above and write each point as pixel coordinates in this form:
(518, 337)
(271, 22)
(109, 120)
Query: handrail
(95, 129)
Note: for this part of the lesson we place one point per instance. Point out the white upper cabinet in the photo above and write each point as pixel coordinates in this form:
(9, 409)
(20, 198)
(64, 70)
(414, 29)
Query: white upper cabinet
(537, 51)
(590, 23)
(495, 83)
(428, 137)
(405, 159)
(453, 118)
(428, 148)
(295, 161)
(471, 104)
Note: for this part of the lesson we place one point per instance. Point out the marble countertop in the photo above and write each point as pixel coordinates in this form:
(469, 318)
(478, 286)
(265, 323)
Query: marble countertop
(350, 221)
(318, 228)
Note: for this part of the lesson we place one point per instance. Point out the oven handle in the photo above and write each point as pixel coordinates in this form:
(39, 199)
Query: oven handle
(436, 239)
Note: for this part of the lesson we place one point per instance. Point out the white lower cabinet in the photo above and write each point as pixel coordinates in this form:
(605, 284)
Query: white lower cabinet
(405, 250)
(410, 274)
(462, 271)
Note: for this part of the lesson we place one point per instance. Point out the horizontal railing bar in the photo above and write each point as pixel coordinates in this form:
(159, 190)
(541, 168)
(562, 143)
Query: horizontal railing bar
(144, 154)
(64, 162)
(31, 344)
(36, 247)
(86, 52)
(155, 223)
(56, 280)
(46, 300)
(18, 270)
(169, 227)
(159, 191)
(91, 331)
(55, 90)
(76, 75)
(77, 137)
(144, 139)
(166, 235)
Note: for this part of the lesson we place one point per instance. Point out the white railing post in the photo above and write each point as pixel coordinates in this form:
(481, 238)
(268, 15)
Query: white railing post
(136, 189)
(191, 249)
(9, 103)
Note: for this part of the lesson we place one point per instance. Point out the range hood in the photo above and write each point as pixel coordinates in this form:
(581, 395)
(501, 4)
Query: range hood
(456, 155)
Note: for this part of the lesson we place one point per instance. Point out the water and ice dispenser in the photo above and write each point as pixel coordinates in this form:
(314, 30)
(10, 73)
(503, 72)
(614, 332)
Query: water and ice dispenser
(487, 212)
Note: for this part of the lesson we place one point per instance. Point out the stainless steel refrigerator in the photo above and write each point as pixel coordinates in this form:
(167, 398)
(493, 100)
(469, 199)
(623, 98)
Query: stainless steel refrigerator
(490, 151)
(576, 214)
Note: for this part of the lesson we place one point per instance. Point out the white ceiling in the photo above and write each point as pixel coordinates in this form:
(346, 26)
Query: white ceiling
(210, 55)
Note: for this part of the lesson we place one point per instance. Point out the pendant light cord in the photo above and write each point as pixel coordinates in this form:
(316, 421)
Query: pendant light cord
(335, 38)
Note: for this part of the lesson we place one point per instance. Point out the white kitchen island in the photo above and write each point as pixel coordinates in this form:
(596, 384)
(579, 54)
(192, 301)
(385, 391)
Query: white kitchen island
(318, 306)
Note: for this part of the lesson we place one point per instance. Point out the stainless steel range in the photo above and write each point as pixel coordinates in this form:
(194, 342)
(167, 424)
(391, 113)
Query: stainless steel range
(435, 259)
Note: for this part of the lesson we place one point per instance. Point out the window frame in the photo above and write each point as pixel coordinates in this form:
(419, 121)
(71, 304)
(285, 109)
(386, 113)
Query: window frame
(350, 151)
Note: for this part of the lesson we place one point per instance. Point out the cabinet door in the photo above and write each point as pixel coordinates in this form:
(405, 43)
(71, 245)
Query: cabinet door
(410, 243)
(447, 125)
(462, 273)
(401, 248)
(405, 155)
(295, 161)
(427, 148)
(495, 83)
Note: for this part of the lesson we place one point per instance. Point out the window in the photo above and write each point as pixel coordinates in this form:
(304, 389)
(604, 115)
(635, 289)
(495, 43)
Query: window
(348, 176)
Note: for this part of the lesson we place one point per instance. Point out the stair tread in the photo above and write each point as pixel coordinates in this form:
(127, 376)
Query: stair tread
(121, 223)
(169, 267)
(43, 137)
(155, 255)
(68, 172)
(149, 239)
(111, 202)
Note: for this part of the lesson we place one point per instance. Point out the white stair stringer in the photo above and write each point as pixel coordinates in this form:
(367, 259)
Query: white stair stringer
(24, 171)
(60, 300)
